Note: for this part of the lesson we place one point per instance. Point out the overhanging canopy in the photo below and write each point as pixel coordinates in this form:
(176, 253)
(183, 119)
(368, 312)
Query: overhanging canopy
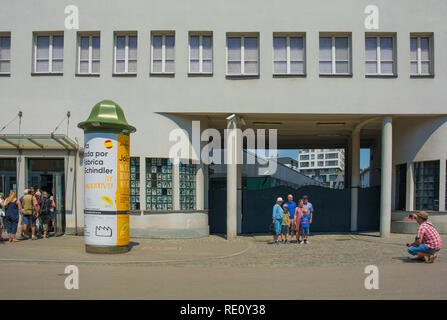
(37, 142)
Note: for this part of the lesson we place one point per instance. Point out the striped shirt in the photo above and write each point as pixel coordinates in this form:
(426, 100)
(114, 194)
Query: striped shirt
(430, 237)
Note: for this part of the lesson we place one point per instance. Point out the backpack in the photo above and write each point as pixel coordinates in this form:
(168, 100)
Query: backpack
(28, 204)
(45, 205)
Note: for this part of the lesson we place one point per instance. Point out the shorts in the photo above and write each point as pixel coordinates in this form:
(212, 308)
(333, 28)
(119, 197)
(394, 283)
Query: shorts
(44, 221)
(285, 229)
(52, 216)
(28, 219)
(305, 231)
(414, 250)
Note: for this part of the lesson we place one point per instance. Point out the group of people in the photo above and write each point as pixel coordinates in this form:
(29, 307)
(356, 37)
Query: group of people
(290, 219)
(34, 209)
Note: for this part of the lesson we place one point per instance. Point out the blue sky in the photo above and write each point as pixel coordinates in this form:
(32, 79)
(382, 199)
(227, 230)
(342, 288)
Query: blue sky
(364, 156)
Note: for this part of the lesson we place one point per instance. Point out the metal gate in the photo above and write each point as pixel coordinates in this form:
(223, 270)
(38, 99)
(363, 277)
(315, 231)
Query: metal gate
(332, 208)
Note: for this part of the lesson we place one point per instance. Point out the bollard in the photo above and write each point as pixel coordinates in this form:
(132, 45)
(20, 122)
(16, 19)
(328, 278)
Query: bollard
(106, 179)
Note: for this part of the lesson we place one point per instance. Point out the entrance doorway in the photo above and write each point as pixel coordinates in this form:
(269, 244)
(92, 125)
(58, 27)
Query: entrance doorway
(49, 175)
(8, 180)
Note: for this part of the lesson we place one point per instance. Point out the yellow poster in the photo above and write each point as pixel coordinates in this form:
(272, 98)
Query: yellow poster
(122, 227)
(123, 174)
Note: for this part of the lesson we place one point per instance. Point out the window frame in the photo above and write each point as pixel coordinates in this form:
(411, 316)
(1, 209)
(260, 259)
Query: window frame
(378, 59)
(6, 35)
(419, 60)
(162, 34)
(201, 34)
(90, 60)
(50, 59)
(333, 60)
(242, 37)
(288, 60)
(125, 34)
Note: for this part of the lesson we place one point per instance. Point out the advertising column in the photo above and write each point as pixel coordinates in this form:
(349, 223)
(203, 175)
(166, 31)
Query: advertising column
(106, 179)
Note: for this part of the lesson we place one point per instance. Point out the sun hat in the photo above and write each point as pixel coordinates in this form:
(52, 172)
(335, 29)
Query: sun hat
(422, 215)
(285, 205)
(279, 199)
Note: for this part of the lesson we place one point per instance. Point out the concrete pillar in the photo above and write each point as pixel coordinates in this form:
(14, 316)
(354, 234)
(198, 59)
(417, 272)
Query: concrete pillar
(200, 187)
(21, 174)
(409, 201)
(355, 178)
(231, 162)
(21, 185)
(386, 181)
(176, 186)
(442, 172)
(239, 198)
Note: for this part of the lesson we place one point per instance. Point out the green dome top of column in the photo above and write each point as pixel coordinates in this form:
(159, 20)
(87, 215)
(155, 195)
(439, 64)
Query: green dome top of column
(107, 115)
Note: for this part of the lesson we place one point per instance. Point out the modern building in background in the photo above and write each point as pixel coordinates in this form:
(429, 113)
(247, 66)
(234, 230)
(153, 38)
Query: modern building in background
(325, 165)
(313, 72)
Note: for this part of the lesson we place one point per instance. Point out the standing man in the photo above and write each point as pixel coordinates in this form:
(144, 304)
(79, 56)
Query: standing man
(309, 207)
(291, 206)
(30, 209)
(277, 219)
(427, 242)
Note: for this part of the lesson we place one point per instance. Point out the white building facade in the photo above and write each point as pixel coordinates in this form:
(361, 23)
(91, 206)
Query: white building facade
(318, 74)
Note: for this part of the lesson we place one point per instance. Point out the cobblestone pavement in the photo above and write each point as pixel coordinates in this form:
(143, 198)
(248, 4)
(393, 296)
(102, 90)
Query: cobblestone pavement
(323, 250)
(250, 267)
(249, 251)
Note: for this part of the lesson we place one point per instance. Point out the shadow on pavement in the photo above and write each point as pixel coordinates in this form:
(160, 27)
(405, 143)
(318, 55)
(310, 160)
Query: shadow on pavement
(133, 244)
(407, 260)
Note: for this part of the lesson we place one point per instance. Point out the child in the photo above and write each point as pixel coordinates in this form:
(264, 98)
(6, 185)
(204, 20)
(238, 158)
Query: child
(298, 214)
(305, 226)
(285, 225)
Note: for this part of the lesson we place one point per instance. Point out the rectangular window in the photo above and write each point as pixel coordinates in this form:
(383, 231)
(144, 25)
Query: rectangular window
(420, 56)
(426, 179)
(401, 186)
(304, 165)
(158, 184)
(242, 55)
(288, 55)
(187, 186)
(335, 55)
(125, 51)
(134, 183)
(48, 53)
(88, 53)
(201, 53)
(380, 55)
(5, 53)
(163, 54)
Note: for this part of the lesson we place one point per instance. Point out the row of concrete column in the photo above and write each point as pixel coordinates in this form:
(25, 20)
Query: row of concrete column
(233, 178)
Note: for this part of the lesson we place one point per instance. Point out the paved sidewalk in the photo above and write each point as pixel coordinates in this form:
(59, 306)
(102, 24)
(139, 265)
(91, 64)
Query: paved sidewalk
(329, 267)
(245, 251)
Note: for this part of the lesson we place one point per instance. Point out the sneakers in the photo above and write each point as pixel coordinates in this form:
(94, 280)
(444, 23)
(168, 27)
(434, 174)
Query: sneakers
(300, 242)
(306, 242)
(33, 237)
